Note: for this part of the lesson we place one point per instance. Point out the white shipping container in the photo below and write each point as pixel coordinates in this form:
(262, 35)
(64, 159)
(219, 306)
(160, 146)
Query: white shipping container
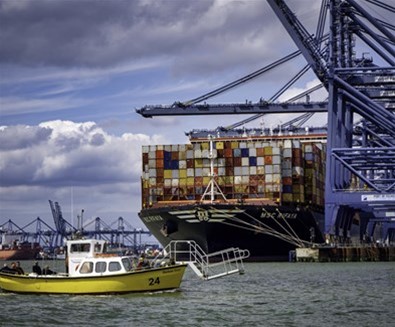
(152, 163)
(245, 171)
(174, 182)
(199, 172)
(245, 161)
(287, 153)
(152, 173)
(190, 154)
(252, 152)
(268, 178)
(237, 170)
(276, 169)
(145, 148)
(237, 180)
(167, 182)
(190, 172)
(198, 153)
(260, 161)
(276, 151)
(296, 144)
(260, 170)
(277, 178)
(287, 144)
(175, 173)
(253, 170)
(168, 148)
(276, 160)
(182, 164)
(268, 169)
(206, 172)
(151, 155)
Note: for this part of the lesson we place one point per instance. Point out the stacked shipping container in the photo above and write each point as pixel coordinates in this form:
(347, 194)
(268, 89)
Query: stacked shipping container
(290, 171)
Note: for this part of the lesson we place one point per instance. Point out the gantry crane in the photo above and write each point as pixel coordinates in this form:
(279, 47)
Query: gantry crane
(360, 159)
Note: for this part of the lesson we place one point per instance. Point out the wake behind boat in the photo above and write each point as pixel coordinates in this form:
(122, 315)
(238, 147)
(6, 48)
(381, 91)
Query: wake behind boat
(91, 270)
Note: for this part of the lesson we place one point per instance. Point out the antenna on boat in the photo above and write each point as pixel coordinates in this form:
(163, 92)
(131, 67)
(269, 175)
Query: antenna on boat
(212, 188)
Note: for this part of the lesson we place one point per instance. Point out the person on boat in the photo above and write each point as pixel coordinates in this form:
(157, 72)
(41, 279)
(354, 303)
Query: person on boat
(47, 271)
(19, 269)
(143, 262)
(37, 268)
(7, 269)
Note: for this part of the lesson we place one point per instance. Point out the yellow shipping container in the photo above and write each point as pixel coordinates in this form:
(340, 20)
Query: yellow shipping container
(198, 163)
(206, 181)
(190, 181)
(287, 197)
(183, 173)
(167, 173)
(205, 146)
(183, 182)
(234, 145)
(268, 150)
(219, 145)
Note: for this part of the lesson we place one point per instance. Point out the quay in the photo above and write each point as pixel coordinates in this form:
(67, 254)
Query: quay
(347, 253)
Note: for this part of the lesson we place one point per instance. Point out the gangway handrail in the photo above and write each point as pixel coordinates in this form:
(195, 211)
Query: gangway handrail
(206, 266)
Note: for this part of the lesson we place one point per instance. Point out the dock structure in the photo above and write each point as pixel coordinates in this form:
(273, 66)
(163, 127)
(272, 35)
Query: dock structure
(348, 253)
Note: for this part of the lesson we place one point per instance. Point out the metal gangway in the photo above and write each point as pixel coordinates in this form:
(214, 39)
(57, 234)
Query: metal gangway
(207, 266)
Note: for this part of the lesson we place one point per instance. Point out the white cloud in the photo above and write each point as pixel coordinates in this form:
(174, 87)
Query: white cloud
(103, 169)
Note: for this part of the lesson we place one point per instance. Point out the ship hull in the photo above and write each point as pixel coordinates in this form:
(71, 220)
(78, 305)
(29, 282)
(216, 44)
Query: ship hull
(268, 232)
(25, 252)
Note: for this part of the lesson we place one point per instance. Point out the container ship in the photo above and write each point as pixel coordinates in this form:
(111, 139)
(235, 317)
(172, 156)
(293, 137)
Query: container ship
(22, 251)
(263, 192)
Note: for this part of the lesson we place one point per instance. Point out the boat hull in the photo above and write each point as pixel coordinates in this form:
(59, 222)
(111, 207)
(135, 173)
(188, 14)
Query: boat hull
(251, 227)
(150, 280)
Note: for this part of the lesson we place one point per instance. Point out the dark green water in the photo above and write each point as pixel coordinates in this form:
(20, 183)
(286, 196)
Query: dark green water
(268, 294)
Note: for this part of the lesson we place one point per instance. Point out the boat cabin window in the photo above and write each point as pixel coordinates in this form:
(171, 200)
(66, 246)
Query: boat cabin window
(86, 268)
(127, 264)
(114, 266)
(101, 267)
(79, 247)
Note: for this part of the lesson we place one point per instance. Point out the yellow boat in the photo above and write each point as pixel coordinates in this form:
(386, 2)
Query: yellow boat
(91, 270)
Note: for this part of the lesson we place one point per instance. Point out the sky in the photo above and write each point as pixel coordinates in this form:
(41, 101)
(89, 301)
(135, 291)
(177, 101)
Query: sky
(72, 73)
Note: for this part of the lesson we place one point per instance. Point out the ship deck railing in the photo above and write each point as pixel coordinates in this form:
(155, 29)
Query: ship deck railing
(206, 266)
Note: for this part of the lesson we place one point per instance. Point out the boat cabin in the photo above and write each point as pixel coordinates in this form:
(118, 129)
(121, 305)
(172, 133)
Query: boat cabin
(90, 258)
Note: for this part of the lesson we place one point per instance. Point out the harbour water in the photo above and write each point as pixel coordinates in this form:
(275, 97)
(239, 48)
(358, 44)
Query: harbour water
(268, 294)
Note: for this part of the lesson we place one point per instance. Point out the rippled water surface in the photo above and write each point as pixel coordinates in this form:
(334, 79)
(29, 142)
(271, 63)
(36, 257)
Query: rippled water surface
(268, 294)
